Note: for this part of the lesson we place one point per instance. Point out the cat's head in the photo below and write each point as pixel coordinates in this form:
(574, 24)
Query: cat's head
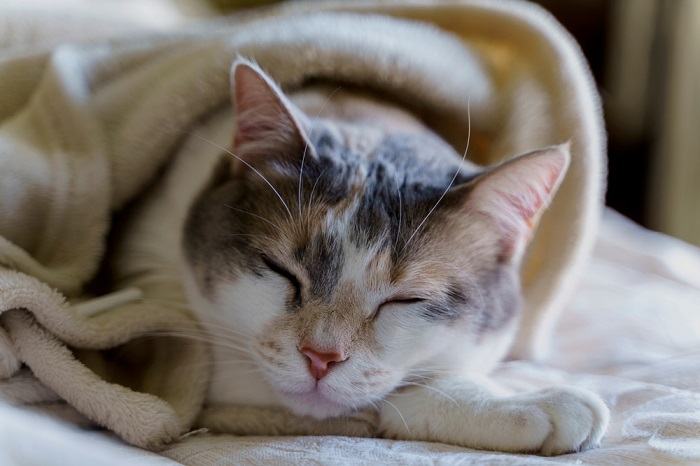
(350, 260)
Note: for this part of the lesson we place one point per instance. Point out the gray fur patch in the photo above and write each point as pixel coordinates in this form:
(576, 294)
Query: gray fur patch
(323, 258)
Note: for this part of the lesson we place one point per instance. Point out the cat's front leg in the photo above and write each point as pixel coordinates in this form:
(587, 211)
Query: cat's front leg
(253, 420)
(473, 413)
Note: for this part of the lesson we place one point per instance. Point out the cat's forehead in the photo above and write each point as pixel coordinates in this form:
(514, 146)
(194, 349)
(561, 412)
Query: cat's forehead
(380, 156)
(335, 260)
(381, 186)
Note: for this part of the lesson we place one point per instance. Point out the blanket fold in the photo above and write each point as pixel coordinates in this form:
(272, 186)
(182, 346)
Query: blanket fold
(91, 134)
(141, 418)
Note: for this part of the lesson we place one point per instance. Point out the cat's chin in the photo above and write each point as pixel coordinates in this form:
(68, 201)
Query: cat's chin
(313, 404)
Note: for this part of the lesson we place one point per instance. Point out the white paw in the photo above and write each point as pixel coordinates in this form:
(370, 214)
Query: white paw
(578, 419)
(549, 422)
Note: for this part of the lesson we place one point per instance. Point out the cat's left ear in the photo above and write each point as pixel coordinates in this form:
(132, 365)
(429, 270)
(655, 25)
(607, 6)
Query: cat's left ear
(516, 193)
(268, 126)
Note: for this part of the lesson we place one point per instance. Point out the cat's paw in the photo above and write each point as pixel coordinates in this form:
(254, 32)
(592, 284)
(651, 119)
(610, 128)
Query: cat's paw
(549, 422)
(578, 419)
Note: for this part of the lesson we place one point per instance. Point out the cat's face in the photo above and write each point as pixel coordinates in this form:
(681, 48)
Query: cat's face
(325, 248)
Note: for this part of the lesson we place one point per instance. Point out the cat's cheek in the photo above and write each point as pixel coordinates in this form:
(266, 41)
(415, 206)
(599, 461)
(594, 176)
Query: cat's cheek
(386, 326)
(250, 303)
(400, 335)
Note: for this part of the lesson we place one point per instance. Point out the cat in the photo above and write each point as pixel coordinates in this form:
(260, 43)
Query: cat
(345, 258)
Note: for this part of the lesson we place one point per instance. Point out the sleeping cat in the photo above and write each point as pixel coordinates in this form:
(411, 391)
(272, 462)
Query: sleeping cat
(349, 259)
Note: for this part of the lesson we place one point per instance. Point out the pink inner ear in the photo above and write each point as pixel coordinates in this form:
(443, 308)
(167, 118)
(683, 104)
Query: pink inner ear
(251, 131)
(531, 200)
(516, 193)
(265, 125)
(526, 206)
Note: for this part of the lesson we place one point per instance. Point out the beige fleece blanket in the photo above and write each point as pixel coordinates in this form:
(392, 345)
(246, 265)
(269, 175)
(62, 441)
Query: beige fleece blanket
(84, 129)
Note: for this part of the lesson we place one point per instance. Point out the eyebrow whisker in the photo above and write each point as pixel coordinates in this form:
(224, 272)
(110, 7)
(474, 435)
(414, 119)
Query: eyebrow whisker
(457, 171)
(279, 196)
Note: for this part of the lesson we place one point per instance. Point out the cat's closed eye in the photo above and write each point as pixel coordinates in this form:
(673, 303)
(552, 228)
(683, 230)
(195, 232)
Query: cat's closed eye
(286, 274)
(400, 300)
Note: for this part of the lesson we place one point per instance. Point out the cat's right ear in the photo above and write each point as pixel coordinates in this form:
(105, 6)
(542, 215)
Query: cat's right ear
(268, 127)
(515, 194)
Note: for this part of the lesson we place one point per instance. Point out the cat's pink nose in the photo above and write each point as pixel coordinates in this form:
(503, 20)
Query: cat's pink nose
(321, 362)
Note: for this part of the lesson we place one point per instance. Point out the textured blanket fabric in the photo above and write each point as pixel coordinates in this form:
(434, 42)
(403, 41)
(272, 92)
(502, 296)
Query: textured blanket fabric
(85, 129)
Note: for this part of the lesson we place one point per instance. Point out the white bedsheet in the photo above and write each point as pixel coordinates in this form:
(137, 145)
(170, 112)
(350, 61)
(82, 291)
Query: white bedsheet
(632, 334)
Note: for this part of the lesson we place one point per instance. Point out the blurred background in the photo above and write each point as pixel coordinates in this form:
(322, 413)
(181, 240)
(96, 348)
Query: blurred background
(645, 56)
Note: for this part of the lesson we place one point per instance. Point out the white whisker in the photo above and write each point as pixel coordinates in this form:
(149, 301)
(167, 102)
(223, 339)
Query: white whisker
(433, 389)
(208, 339)
(306, 146)
(248, 365)
(464, 156)
(279, 196)
(399, 413)
(254, 215)
(313, 190)
(231, 338)
(398, 228)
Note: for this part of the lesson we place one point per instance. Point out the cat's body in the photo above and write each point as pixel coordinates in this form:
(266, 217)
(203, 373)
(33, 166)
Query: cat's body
(344, 258)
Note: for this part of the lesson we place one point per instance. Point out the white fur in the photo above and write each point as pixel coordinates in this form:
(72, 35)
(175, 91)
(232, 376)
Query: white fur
(472, 412)
(234, 378)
